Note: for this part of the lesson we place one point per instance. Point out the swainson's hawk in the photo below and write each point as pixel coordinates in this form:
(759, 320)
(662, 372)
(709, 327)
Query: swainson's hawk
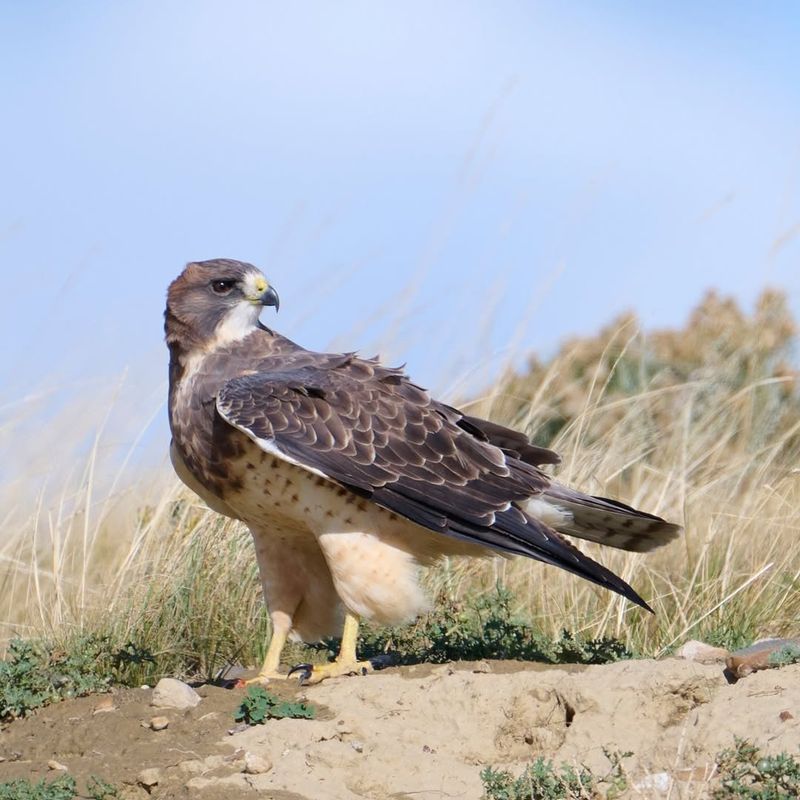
(350, 476)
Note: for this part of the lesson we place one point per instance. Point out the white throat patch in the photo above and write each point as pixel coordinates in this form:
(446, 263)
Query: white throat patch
(240, 321)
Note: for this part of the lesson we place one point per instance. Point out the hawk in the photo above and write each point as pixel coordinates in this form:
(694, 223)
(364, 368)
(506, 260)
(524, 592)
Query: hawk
(350, 476)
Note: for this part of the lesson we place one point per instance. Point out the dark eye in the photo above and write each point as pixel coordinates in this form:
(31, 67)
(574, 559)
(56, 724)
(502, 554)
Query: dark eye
(222, 286)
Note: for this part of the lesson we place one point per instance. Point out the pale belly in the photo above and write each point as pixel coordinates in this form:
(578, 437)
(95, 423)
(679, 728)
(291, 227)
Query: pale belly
(373, 556)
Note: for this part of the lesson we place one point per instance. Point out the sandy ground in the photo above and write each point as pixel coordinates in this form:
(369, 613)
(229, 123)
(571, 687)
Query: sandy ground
(419, 732)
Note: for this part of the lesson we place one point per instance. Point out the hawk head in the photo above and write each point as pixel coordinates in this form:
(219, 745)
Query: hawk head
(213, 303)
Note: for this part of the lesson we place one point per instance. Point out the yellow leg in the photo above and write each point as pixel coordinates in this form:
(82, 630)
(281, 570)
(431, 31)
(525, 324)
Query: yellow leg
(347, 649)
(346, 662)
(272, 660)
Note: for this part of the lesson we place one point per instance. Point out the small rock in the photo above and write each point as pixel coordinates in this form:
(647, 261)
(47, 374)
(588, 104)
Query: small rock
(242, 726)
(57, 765)
(159, 723)
(198, 784)
(149, 778)
(172, 693)
(655, 782)
(256, 765)
(357, 746)
(702, 653)
(785, 716)
(104, 705)
(758, 656)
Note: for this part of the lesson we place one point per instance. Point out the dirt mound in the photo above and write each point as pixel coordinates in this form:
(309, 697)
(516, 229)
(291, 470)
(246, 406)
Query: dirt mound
(421, 732)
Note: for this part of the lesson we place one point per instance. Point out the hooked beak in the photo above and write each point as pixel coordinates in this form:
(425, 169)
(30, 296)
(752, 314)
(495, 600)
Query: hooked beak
(270, 298)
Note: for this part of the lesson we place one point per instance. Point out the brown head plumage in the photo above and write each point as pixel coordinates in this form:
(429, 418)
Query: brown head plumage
(215, 301)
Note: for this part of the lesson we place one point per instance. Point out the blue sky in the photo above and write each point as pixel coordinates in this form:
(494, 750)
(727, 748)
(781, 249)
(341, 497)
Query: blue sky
(437, 181)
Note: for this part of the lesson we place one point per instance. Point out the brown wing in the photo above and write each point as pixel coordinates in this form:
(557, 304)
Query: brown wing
(511, 442)
(373, 431)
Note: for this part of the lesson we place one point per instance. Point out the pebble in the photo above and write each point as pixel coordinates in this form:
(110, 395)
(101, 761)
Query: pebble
(149, 778)
(159, 723)
(256, 765)
(242, 726)
(655, 782)
(172, 693)
(57, 765)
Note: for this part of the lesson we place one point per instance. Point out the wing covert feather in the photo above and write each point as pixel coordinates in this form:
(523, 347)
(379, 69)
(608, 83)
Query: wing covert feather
(370, 429)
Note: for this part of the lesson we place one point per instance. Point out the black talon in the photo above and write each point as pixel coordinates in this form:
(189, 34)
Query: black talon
(305, 669)
(383, 661)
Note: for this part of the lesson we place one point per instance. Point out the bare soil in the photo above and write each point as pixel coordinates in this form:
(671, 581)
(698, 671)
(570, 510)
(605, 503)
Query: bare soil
(420, 732)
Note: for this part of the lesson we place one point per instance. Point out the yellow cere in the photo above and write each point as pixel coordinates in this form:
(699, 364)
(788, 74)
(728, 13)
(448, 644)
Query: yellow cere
(255, 286)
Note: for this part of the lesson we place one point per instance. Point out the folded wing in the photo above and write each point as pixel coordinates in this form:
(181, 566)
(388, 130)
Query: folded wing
(371, 430)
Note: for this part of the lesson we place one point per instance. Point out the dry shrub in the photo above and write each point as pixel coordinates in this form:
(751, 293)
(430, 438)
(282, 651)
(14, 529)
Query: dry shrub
(699, 425)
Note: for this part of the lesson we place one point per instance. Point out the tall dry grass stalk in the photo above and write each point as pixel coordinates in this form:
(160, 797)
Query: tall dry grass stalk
(700, 425)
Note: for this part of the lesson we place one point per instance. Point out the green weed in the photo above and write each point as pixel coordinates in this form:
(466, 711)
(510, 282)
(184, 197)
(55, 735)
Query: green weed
(62, 788)
(746, 774)
(35, 674)
(788, 654)
(98, 789)
(541, 780)
(484, 628)
(260, 705)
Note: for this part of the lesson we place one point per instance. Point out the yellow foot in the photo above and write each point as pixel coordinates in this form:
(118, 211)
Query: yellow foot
(316, 673)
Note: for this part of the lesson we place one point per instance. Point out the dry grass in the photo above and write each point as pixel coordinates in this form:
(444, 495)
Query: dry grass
(700, 425)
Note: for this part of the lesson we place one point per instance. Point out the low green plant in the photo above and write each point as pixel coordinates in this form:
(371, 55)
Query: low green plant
(485, 627)
(788, 654)
(746, 774)
(260, 705)
(62, 788)
(36, 673)
(98, 789)
(541, 780)
(733, 632)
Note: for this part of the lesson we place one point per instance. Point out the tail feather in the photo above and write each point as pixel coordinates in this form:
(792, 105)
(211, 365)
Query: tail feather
(601, 520)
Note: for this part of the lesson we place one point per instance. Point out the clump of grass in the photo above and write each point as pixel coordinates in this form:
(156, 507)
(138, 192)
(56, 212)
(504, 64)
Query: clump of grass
(542, 780)
(746, 774)
(485, 627)
(259, 705)
(700, 425)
